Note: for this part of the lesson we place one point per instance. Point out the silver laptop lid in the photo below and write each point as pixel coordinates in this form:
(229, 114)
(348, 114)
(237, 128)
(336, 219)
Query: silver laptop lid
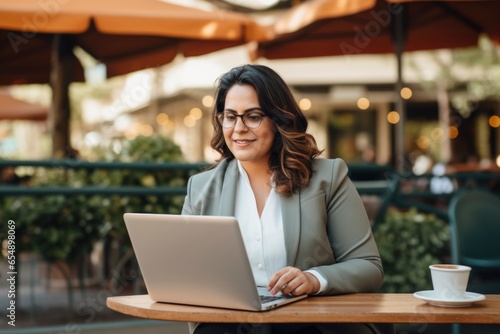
(195, 260)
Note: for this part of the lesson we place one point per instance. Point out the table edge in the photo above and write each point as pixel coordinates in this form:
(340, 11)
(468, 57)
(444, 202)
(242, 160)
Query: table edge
(154, 311)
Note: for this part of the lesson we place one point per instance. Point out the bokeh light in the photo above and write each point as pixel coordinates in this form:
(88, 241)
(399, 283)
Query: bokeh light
(305, 104)
(196, 113)
(363, 103)
(494, 121)
(146, 130)
(207, 101)
(169, 126)
(453, 132)
(189, 121)
(162, 118)
(437, 134)
(406, 93)
(393, 117)
(423, 142)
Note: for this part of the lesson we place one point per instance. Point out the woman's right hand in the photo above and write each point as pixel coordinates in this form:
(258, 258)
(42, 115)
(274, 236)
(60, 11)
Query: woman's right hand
(293, 281)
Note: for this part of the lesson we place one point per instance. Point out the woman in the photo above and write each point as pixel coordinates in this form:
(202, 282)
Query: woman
(303, 223)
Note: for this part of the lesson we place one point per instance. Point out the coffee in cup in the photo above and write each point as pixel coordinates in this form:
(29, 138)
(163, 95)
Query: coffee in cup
(449, 280)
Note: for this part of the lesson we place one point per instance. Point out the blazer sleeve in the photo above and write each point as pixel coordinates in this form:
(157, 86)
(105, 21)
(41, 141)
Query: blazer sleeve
(356, 266)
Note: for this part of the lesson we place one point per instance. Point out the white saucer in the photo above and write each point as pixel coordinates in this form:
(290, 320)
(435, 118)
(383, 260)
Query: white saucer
(430, 297)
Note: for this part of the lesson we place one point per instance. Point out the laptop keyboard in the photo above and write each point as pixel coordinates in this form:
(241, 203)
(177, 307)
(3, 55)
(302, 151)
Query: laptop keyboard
(267, 299)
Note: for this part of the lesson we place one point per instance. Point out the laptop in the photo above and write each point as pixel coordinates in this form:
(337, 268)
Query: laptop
(197, 260)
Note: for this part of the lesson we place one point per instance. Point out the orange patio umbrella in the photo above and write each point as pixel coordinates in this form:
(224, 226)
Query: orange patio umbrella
(37, 40)
(125, 35)
(319, 28)
(332, 27)
(14, 109)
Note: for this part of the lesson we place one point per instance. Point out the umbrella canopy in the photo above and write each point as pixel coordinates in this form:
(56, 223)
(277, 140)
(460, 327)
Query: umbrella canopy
(319, 28)
(37, 41)
(327, 27)
(125, 35)
(14, 109)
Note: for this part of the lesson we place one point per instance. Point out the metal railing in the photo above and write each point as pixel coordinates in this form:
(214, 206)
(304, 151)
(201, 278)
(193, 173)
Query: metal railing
(13, 190)
(369, 179)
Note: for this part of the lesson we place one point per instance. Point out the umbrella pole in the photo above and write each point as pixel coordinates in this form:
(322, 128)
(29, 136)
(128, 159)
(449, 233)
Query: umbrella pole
(401, 109)
(400, 159)
(60, 79)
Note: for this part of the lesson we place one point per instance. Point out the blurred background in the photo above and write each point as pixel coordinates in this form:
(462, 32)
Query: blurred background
(349, 98)
(105, 108)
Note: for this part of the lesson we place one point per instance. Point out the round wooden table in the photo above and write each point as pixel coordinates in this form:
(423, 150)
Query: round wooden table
(353, 308)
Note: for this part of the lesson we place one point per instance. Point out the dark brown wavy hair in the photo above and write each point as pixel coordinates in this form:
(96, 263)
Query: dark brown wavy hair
(293, 149)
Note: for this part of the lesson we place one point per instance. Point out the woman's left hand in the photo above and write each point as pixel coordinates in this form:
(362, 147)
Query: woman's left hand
(291, 280)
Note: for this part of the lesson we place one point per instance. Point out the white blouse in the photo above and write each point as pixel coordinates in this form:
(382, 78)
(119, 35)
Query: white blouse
(263, 236)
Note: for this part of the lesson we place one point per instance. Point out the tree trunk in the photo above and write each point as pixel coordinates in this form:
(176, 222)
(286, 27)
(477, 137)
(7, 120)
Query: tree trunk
(399, 41)
(60, 79)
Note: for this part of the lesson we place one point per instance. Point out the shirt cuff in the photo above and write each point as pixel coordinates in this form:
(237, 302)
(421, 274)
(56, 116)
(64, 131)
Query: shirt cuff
(322, 281)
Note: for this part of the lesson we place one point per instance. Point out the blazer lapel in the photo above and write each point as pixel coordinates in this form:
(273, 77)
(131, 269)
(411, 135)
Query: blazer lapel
(228, 191)
(290, 211)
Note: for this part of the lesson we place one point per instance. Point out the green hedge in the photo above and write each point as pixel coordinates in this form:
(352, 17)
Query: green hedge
(65, 228)
(408, 243)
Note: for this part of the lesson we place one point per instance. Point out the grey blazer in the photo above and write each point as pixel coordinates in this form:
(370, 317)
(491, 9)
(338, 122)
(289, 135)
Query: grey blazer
(325, 224)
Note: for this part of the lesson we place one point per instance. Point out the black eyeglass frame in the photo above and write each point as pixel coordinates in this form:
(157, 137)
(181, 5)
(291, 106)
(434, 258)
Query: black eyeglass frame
(220, 118)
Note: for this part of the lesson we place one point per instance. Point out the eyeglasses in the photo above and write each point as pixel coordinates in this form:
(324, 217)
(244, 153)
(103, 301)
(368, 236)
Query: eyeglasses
(250, 119)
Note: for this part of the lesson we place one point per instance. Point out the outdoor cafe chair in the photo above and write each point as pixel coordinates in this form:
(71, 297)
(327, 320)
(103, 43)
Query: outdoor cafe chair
(475, 232)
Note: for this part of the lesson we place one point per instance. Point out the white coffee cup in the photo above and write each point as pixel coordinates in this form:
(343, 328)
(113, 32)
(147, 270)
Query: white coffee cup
(449, 280)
